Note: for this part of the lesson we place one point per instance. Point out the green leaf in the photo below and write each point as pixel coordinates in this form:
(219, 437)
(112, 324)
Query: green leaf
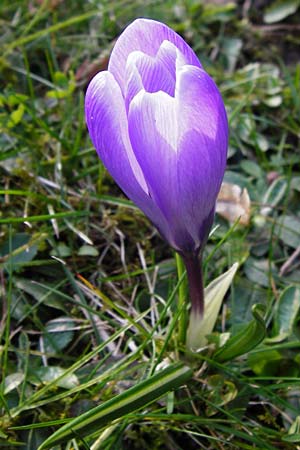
(274, 195)
(295, 183)
(266, 362)
(131, 400)
(231, 48)
(218, 12)
(58, 334)
(15, 99)
(262, 142)
(61, 251)
(88, 250)
(248, 337)
(19, 251)
(286, 313)
(12, 381)
(213, 296)
(257, 271)
(252, 168)
(241, 303)
(48, 374)
(16, 116)
(294, 432)
(288, 230)
(43, 293)
(280, 9)
(64, 86)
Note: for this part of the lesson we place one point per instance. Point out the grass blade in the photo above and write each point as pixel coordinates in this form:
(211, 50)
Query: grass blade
(131, 400)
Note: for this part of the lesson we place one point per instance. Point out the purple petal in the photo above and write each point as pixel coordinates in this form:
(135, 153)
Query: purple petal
(171, 57)
(134, 84)
(203, 142)
(152, 123)
(153, 134)
(107, 124)
(181, 146)
(152, 74)
(145, 72)
(145, 35)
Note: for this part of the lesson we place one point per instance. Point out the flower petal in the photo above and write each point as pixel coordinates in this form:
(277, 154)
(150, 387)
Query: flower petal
(145, 35)
(134, 84)
(153, 135)
(106, 121)
(181, 146)
(203, 143)
(107, 124)
(154, 76)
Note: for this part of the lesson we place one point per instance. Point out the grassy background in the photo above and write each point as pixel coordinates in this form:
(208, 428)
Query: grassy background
(88, 289)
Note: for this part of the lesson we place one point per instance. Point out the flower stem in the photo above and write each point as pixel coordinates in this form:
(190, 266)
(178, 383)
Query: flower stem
(193, 265)
(182, 300)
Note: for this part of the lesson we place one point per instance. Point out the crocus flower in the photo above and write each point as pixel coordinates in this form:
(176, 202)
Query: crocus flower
(158, 123)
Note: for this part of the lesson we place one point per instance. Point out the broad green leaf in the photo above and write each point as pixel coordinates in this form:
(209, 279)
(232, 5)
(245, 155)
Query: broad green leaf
(58, 334)
(19, 250)
(231, 48)
(286, 313)
(241, 303)
(42, 293)
(213, 296)
(262, 142)
(61, 250)
(295, 183)
(274, 195)
(48, 374)
(237, 178)
(136, 397)
(88, 250)
(280, 9)
(265, 362)
(248, 337)
(12, 381)
(252, 168)
(19, 306)
(257, 271)
(288, 230)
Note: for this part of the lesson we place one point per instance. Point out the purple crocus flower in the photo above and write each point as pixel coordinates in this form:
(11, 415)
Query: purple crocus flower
(158, 123)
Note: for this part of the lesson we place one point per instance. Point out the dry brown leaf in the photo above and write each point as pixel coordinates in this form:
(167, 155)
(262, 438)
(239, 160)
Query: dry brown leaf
(234, 203)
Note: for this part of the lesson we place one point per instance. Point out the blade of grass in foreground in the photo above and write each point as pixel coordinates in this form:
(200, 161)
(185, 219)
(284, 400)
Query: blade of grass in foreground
(134, 398)
(43, 217)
